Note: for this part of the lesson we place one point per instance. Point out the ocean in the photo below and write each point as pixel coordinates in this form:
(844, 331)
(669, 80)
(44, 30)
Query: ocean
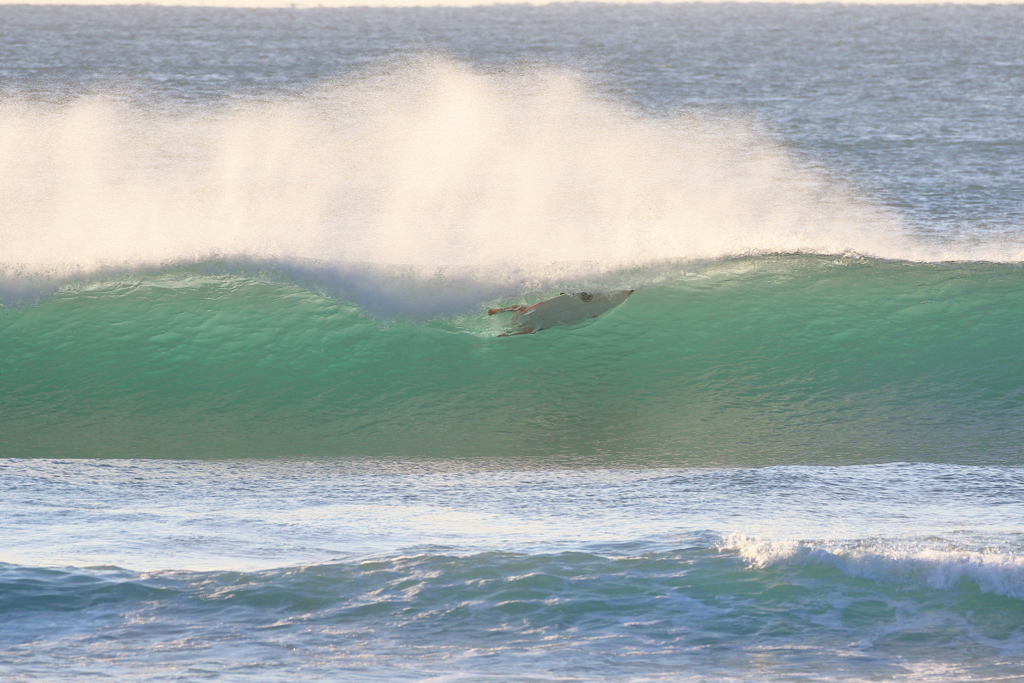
(256, 424)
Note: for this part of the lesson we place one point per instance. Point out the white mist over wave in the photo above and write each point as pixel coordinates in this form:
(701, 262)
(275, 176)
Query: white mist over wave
(994, 572)
(434, 170)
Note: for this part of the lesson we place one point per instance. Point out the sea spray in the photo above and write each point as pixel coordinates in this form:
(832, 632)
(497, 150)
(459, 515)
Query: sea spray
(435, 166)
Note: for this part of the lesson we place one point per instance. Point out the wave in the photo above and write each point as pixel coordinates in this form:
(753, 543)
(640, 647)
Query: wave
(746, 361)
(437, 616)
(496, 578)
(307, 276)
(992, 571)
(919, 564)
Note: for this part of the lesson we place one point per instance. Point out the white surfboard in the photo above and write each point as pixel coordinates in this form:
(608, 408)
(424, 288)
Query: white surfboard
(564, 309)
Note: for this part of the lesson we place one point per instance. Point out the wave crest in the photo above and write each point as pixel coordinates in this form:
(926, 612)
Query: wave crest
(993, 572)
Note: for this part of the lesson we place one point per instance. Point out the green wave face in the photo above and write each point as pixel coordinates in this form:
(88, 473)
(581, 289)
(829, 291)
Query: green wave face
(746, 362)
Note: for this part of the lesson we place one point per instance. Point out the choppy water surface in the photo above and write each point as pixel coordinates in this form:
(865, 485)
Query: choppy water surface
(405, 570)
(258, 426)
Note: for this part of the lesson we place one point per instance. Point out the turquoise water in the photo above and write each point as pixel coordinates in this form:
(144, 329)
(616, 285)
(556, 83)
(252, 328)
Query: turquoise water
(756, 361)
(255, 424)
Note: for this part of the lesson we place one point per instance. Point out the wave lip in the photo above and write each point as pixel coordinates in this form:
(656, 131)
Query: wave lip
(993, 572)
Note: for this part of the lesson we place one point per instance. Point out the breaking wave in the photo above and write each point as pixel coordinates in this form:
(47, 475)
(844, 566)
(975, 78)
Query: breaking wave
(999, 573)
(309, 275)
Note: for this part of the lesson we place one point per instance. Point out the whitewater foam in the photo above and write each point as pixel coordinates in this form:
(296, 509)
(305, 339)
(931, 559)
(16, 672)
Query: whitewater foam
(992, 571)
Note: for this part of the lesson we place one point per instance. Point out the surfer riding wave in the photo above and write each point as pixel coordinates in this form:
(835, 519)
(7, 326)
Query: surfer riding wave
(564, 309)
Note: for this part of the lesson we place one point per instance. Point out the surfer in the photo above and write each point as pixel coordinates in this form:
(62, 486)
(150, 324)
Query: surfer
(564, 309)
(585, 297)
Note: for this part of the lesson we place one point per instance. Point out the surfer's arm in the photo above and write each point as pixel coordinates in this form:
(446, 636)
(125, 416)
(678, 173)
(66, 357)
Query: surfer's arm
(507, 309)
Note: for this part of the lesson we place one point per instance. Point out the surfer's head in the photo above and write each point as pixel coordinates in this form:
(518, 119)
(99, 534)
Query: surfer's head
(586, 296)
